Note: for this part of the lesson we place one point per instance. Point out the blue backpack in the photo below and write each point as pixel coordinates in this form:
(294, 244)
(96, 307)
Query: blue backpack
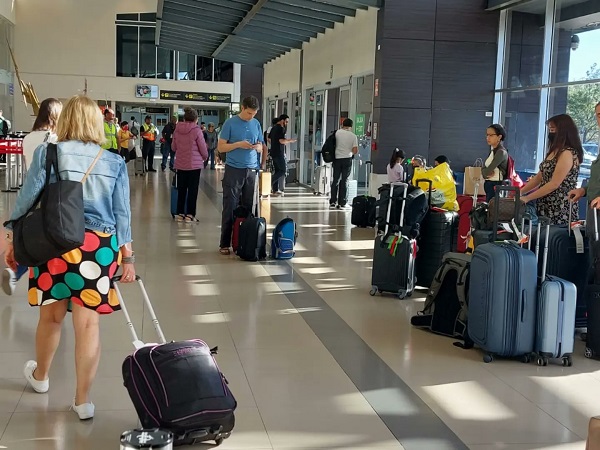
(284, 239)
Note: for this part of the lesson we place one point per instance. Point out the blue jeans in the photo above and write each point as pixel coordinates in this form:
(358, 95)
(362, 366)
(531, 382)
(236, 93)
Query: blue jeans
(166, 153)
(21, 270)
(211, 156)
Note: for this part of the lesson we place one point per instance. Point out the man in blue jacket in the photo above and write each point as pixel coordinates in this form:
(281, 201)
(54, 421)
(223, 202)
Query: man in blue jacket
(241, 139)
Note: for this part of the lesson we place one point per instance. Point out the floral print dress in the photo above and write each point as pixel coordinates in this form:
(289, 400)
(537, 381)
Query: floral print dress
(555, 206)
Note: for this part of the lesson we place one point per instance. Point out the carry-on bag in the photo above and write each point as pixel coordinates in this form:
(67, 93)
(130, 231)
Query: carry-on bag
(555, 331)
(284, 239)
(175, 196)
(592, 297)
(252, 244)
(415, 209)
(394, 256)
(177, 386)
(322, 181)
(264, 183)
(466, 204)
(139, 166)
(364, 209)
(437, 237)
(446, 304)
(503, 300)
(491, 232)
(568, 259)
(240, 214)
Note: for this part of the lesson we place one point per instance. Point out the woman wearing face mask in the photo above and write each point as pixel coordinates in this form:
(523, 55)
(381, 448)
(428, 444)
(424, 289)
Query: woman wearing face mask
(558, 172)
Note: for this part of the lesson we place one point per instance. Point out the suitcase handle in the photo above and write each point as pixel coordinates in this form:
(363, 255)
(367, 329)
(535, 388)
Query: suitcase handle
(497, 191)
(523, 303)
(430, 183)
(137, 343)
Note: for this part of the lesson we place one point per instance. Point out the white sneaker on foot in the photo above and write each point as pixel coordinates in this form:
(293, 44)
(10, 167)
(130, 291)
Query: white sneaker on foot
(41, 387)
(85, 411)
(9, 281)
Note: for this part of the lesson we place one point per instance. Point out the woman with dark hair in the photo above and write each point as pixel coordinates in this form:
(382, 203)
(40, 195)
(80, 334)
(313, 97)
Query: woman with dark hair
(190, 153)
(558, 172)
(496, 165)
(395, 171)
(44, 128)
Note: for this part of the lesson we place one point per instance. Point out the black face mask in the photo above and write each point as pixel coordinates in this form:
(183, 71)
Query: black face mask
(551, 136)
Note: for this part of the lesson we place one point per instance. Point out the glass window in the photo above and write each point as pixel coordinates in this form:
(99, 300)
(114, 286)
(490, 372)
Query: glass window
(223, 71)
(147, 51)
(129, 17)
(204, 69)
(148, 17)
(525, 59)
(164, 64)
(187, 67)
(521, 123)
(127, 51)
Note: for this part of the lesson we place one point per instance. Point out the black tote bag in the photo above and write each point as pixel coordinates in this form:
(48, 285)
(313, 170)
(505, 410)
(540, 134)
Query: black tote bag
(57, 226)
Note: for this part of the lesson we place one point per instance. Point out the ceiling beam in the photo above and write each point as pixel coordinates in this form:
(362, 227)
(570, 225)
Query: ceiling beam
(253, 12)
(289, 23)
(299, 18)
(263, 27)
(297, 11)
(319, 6)
(257, 32)
(206, 26)
(203, 15)
(271, 38)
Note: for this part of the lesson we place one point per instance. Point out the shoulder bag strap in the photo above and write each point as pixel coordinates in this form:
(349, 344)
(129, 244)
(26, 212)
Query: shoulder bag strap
(85, 177)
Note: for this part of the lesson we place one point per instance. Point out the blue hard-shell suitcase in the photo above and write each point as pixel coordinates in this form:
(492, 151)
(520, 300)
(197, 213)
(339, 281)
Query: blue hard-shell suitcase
(174, 195)
(503, 300)
(557, 303)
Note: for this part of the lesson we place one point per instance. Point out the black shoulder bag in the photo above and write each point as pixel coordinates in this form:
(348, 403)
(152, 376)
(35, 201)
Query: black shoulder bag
(57, 226)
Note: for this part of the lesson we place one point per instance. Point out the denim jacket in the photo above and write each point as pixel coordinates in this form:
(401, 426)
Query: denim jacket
(105, 192)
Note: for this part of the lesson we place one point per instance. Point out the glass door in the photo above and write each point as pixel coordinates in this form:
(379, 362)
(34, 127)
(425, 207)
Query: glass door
(309, 137)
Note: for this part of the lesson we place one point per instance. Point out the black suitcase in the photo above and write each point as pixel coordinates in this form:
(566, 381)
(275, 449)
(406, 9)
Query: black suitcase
(177, 386)
(252, 240)
(364, 211)
(394, 258)
(415, 208)
(592, 297)
(569, 260)
(438, 236)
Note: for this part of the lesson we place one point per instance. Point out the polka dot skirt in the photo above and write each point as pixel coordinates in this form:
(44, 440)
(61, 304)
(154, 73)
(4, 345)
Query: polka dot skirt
(82, 276)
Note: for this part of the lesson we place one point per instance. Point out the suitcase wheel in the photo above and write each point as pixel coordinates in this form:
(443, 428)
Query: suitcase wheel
(589, 353)
(488, 358)
(402, 295)
(567, 361)
(526, 359)
(219, 441)
(542, 361)
(373, 291)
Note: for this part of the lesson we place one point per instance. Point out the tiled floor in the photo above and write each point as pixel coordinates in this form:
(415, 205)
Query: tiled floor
(314, 361)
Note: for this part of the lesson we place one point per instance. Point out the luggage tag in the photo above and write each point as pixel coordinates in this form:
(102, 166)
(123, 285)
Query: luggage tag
(575, 227)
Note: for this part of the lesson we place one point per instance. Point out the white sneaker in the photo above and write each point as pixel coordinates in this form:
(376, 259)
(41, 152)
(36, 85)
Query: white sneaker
(41, 387)
(85, 411)
(9, 281)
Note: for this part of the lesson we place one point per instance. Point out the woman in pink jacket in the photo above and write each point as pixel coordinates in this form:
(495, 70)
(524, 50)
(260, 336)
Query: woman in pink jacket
(190, 153)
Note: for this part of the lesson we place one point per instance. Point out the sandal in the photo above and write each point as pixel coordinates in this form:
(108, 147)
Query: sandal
(225, 251)
(180, 218)
(189, 218)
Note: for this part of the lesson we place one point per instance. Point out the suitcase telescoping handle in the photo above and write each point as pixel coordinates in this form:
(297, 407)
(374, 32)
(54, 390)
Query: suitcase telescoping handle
(389, 210)
(546, 245)
(137, 343)
(429, 189)
(369, 169)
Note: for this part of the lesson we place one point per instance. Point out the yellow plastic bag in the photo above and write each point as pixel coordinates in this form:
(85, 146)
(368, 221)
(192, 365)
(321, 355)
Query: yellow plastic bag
(443, 189)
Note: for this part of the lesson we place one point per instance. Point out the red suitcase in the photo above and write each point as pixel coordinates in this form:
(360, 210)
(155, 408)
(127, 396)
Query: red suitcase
(465, 204)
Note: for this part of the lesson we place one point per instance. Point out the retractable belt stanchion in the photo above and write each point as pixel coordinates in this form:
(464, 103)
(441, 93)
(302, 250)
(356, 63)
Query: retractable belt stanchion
(10, 147)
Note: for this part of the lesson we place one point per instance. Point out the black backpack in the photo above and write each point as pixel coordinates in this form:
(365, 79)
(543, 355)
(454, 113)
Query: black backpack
(328, 149)
(446, 305)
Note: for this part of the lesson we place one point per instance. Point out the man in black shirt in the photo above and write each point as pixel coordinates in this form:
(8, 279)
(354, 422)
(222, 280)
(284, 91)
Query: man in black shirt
(278, 143)
(167, 134)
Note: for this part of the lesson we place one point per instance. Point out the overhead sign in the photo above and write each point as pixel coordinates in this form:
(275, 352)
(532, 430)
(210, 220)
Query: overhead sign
(185, 96)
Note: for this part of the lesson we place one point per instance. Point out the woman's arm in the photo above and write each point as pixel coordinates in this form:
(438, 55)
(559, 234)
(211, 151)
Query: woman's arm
(532, 184)
(563, 166)
(32, 185)
(122, 210)
(499, 157)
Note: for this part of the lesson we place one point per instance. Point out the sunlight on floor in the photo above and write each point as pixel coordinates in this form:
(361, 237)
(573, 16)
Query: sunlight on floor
(308, 260)
(211, 317)
(468, 400)
(203, 290)
(195, 271)
(351, 245)
(397, 403)
(317, 270)
(285, 312)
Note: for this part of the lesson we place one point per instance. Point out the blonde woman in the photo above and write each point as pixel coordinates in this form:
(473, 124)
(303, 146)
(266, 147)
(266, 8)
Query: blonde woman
(78, 281)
